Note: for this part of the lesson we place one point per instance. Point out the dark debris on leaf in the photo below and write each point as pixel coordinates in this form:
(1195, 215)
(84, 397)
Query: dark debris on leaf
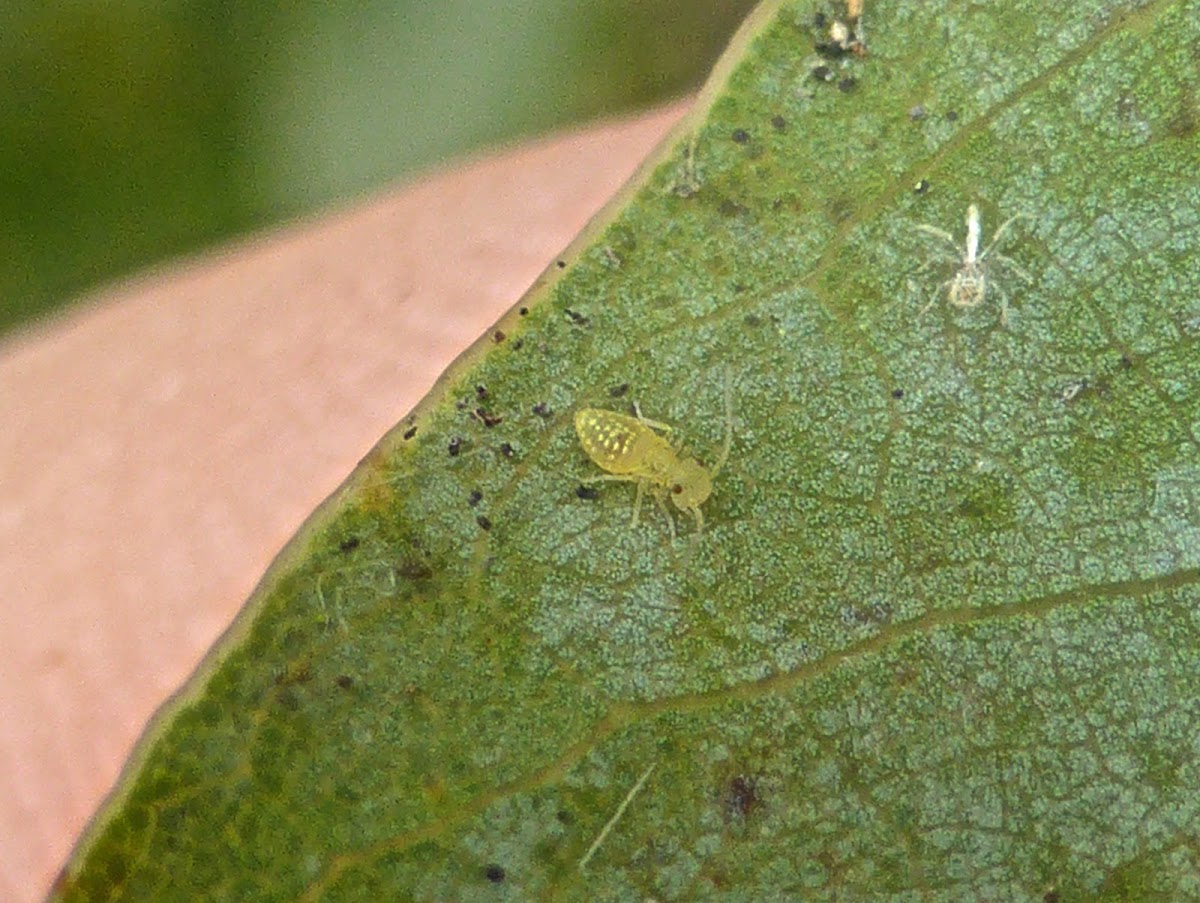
(487, 418)
(741, 798)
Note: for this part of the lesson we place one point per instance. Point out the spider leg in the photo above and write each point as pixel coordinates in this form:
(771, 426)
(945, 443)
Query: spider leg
(939, 233)
(1009, 264)
(999, 234)
(945, 288)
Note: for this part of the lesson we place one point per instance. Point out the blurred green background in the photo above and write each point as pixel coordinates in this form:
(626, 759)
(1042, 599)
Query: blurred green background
(131, 132)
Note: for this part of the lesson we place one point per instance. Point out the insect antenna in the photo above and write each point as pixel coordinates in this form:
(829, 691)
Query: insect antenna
(725, 448)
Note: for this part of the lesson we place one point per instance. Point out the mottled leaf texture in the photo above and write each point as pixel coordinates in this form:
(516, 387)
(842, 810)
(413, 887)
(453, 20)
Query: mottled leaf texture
(940, 637)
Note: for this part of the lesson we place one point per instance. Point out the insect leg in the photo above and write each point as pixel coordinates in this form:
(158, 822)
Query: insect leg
(653, 424)
(637, 502)
(662, 506)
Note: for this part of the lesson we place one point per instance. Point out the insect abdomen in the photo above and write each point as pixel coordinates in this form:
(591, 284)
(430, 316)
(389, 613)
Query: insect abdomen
(620, 444)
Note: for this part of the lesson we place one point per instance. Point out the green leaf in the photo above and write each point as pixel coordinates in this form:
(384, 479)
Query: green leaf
(939, 638)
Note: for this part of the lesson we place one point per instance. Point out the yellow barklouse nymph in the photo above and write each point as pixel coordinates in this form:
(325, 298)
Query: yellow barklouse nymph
(631, 451)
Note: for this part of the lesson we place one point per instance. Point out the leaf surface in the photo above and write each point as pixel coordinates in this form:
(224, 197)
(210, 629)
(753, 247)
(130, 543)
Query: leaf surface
(939, 637)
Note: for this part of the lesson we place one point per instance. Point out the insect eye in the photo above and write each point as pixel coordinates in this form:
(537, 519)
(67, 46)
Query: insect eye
(677, 489)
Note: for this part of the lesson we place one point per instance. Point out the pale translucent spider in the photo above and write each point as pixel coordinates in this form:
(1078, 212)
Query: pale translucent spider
(977, 272)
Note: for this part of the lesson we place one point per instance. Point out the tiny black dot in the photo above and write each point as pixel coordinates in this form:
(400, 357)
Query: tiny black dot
(523, 311)
(740, 136)
(847, 84)
(345, 681)
(952, 116)
(349, 544)
(676, 489)
(507, 450)
(517, 344)
(474, 498)
(921, 187)
(455, 446)
(618, 391)
(1051, 896)
(498, 336)
(577, 318)
(1126, 362)
(778, 123)
(822, 73)
(897, 393)
(481, 392)
(587, 493)
(484, 522)
(542, 410)
(494, 873)
(410, 432)
(562, 264)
